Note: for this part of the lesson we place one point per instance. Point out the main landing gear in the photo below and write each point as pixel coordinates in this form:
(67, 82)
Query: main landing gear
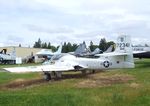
(52, 75)
(47, 76)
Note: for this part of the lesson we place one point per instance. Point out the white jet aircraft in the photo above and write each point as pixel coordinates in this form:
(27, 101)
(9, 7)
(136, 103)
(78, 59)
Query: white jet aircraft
(122, 57)
(45, 52)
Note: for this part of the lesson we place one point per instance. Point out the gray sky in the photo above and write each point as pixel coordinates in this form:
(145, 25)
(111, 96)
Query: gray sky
(56, 21)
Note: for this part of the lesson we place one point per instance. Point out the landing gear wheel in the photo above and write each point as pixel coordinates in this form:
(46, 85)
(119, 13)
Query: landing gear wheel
(47, 76)
(93, 71)
(58, 75)
(83, 72)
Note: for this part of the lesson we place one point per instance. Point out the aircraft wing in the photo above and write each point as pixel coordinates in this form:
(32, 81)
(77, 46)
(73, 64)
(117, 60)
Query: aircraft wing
(39, 68)
(112, 54)
(43, 68)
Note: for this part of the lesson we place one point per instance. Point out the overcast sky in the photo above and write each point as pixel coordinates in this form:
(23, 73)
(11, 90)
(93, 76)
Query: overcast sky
(56, 21)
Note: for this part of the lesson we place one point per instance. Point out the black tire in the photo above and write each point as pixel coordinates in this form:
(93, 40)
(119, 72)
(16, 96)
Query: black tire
(47, 76)
(83, 72)
(93, 71)
(1, 60)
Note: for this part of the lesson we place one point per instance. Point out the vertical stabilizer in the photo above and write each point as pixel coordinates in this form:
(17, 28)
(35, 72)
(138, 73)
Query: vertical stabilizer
(96, 51)
(110, 49)
(81, 49)
(124, 45)
(59, 49)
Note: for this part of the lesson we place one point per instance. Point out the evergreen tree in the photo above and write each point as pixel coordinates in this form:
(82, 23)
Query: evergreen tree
(103, 44)
(37, 44)
(19, 45)
(69, 47)
(91, 46)
(64, 50)
(53, 48)
(49, 45)
(74, 47)
(84, 42)
(44, 45)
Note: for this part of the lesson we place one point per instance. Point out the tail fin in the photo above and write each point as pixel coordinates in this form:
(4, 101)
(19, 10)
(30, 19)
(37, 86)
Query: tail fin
(59, 49)
(122, 57)
(96, 51)
(124, 45)
(80, 49)
(110, 49)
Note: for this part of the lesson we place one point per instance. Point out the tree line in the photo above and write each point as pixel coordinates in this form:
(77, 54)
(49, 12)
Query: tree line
(69, 47)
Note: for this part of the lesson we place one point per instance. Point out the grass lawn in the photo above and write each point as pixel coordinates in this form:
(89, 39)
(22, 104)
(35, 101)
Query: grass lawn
(67, 92)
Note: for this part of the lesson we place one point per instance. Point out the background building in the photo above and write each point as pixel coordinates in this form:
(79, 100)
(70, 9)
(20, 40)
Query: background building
(23, 52)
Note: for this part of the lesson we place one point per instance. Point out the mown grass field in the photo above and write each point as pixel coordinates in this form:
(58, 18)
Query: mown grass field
(67, 92)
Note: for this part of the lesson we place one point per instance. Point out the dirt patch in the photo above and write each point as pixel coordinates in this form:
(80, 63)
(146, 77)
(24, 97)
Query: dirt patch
(102, 81)
(90, 80)
(21, 83)
(134, 85)
(18, 80)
